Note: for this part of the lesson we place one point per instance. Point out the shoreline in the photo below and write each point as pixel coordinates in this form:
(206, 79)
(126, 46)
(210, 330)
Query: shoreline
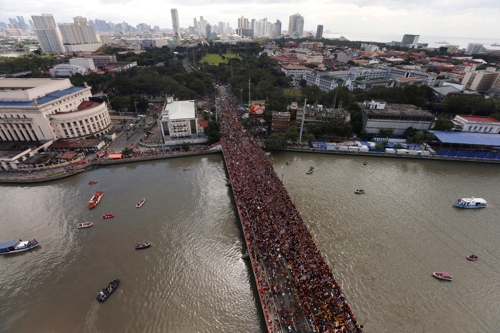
(32, 178)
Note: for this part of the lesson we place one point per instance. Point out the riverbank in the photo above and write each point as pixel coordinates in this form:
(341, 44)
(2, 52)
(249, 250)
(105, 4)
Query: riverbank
(406, 156)
(14, 177)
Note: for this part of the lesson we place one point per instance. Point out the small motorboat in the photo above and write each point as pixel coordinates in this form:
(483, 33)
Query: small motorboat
(106, 292)
(15, 246)
(84, 225)
(365, 163)
(472, 257)
(108, 216)
(143, 245)
(442, 276)
(469, 203)
(359, 191)
(92, 182)
(186, 169)
(140, 203)
(96, 198)
(311, 169)
(287, 163)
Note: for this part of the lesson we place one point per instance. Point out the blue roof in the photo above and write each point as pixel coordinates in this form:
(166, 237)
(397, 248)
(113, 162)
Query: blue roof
(45, 99)
(468, 138)
(58, 94)
(5, 245)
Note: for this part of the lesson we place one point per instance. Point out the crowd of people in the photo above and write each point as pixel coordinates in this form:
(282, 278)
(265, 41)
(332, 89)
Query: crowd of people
(296, 287)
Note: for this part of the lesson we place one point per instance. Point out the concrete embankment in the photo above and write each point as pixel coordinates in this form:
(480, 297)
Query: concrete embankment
(406, 156)
(40, 176)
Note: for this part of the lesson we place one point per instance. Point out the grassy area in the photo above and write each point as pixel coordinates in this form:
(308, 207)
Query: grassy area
(291, 92)
(215, 59)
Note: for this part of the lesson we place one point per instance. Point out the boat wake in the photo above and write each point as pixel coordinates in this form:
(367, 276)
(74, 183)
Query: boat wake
(90, 325)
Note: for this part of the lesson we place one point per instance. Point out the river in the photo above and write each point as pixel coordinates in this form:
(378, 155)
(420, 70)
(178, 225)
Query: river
(382, 246)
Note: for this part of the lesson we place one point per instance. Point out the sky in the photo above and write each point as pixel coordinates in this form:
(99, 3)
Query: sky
(456, 18)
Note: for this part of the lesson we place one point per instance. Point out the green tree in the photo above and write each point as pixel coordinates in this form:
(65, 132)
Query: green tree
(276, 141)
(303, 83)
(443, 124)
(185, 146)
(212, 131)
(308, 137)
(386, 133)
(127, 151)
(292, 133)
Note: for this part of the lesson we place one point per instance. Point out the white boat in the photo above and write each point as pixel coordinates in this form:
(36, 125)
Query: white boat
(84, 225)
(442, 42)
(495, 44)
(470, 203)
(311, 170)
(140, 203)
(442, 276)
(17, 246)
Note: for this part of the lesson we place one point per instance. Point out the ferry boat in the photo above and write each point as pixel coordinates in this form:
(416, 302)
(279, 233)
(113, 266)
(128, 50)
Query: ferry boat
(442, 276)
(143, 245)
(84, 225)
(495, 44)
(442, 42)
(106, 292)
(311, 169)
(108, 216)
(15, 246)
(470, 203)
(96, 198)
(140, 203)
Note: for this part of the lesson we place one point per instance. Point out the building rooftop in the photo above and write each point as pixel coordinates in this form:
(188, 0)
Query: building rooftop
(42, 100)
(25, 83)
(484, 119)
(179, 110)
(75, 144)
(397, 110)
(468, 138)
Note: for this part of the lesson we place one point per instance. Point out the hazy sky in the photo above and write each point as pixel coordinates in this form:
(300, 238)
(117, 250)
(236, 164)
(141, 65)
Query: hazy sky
(459, 18)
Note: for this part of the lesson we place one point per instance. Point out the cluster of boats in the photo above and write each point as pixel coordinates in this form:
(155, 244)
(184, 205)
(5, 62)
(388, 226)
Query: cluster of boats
(466, 203)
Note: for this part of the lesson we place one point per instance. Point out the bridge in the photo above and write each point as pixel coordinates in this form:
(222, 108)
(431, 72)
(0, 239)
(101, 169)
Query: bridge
(20, 74)
(296, 287)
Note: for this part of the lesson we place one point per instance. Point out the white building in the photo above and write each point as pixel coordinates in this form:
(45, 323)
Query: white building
(175, 24)
(67, 70)
(48, 33)
(296, 71)
(178, 120)
(87, 63)
(477, 124)
(49, 109)
(474, 48)
(481, 81)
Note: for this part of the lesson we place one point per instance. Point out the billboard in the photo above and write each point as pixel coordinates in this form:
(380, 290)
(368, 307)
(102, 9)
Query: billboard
(257, 107)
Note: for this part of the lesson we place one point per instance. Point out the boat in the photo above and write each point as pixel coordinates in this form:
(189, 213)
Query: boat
(495, 44)
(311, 169)
(359, 191)
(186, 169)
(472, 257)
(106, 292)
(442, 276)
(92, 182)
(365, 163)
(15, 246)
(140, 203)
(442, 42)
(143, 245)
(287, 163)
(84, 225)
(470, 203)
(96, 198)
(108, 216)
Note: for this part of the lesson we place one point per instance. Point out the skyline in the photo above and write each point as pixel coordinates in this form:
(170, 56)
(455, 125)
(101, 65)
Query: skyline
(458, 18)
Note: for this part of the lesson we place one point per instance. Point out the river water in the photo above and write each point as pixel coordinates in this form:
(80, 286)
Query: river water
(382, 246)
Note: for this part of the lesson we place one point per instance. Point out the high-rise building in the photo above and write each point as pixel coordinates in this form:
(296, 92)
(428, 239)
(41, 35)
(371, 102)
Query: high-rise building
(222, 28)
(208, 30)
(243, 23)
(48, 33)
(277, 27)
(296, 26)
(474, 48)
(175, 24)
(410, 40)
(85, 31)
(196, 27)
(202, 26)
(319, 32)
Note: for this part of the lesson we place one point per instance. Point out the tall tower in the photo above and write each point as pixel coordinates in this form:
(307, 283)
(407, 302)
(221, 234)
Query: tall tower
(175, 24)
(243, 23)
(48, 33)
(278, 27)
(319, 32)
(296, 26)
